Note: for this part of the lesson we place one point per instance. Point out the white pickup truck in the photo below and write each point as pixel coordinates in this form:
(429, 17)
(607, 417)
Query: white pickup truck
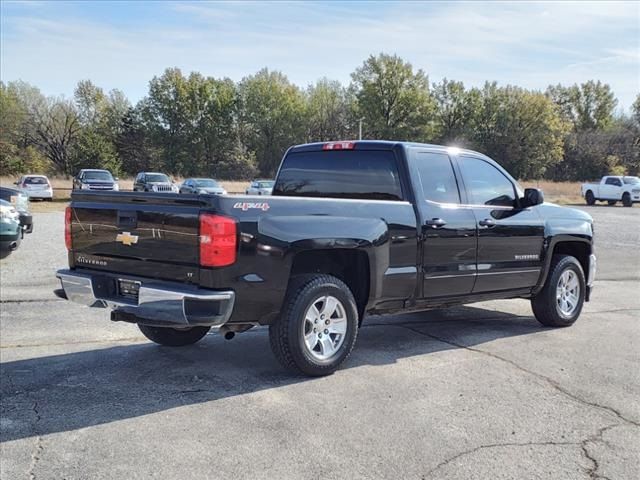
(613, 189)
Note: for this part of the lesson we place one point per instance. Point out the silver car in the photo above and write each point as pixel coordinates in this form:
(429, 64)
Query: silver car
(260, 187)
(202, 185)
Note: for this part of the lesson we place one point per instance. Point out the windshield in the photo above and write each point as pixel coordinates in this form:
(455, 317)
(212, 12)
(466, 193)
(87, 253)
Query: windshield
(268, 184)
(206, 183)
(97, 176)
(631, 180)
(36, 181)
(157, 177)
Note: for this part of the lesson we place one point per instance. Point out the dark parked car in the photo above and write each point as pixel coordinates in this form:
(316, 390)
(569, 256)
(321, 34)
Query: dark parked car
(202, 186)
(20, 201)
(93, 179)
(154, 182)
(10, 229)
(351, 228)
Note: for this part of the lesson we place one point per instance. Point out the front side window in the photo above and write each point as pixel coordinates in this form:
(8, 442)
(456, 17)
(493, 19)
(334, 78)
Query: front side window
(485, 184)
(359, 174)
(436, 177)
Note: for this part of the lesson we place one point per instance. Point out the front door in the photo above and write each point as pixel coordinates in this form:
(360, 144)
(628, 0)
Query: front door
(448, 231)
(510, 238)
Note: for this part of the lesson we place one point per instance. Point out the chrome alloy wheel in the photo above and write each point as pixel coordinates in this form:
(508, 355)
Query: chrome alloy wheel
(325, 327)
(568, 293)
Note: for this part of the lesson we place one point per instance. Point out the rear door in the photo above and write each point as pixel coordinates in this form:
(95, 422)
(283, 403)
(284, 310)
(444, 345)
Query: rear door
(510, 238)
(449, 239)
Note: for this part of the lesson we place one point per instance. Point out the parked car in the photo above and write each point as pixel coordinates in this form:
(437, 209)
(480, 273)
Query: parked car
(260, 187)
(154, 182)
(36, 187)
(10, 229)
(94, 179)
(202, 185)
(20, 201)
(613, 189)
(351, 228)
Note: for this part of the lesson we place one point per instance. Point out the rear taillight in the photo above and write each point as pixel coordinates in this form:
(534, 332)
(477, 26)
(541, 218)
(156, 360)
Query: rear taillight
(218, 240)
(339, 146)
(67, 227)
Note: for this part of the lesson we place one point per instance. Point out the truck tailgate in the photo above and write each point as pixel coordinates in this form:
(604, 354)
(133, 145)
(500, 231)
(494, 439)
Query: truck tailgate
(153, 235)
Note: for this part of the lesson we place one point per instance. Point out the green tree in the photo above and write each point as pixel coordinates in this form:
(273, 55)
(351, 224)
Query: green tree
(455, 112)
(393, 100)
(522, 130)
(327, 111)
(589, 106)
(272, 115)
(635, 109)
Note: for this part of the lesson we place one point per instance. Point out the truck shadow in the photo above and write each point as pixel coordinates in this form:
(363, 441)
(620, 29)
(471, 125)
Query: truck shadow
(66, 392)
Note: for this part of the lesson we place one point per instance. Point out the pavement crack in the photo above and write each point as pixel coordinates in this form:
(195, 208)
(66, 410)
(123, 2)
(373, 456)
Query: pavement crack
(38, 447)
(555, 385)
(471, 451)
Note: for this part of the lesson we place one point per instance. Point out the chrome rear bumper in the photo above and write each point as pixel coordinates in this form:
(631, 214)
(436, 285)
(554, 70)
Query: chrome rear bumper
(158, 303)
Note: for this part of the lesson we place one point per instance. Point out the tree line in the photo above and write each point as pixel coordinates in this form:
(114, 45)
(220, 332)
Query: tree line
(195, 125)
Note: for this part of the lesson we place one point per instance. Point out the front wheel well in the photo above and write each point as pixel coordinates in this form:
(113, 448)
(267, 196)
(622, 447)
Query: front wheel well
(579, 250)
(350, 266)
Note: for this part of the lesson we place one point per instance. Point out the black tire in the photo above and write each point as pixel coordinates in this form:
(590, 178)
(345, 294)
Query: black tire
(611, 203)
(173, 337)
(286, 335)
(626, 200)
(590, 198)
(544, 304)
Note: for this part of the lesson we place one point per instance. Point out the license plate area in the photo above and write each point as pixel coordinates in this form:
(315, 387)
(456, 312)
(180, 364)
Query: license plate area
(129, 289)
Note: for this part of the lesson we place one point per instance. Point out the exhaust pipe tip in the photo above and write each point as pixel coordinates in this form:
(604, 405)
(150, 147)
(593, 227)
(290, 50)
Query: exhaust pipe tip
(229, 335)
(13, 246)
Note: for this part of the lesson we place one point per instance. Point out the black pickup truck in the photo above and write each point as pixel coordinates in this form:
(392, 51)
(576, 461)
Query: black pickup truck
(351, 228)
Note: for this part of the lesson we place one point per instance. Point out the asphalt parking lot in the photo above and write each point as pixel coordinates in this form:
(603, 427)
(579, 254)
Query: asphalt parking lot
(480, 392)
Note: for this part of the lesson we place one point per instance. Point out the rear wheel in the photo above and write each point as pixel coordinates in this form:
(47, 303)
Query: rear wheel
(611, 203)
(590, 198)
(626, 200)
(560, 301)
(317, 327)
(173, 337)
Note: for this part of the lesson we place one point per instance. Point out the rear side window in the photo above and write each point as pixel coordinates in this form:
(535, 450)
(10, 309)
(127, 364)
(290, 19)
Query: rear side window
(436, 177)
(36, 181)
(361, 174)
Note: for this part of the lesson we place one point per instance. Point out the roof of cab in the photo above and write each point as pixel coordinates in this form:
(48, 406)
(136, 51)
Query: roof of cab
(381, 145)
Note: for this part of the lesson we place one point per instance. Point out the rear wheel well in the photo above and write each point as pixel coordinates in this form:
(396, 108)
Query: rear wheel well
(350, 266)
(579, 250)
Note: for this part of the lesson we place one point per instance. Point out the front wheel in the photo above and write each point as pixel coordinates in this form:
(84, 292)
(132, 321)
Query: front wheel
(318, 325)
(173, 337)
(626, 200)
(590, 198)
(560, 301)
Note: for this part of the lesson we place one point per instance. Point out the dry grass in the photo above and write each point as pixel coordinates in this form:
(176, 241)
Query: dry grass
(557, 192)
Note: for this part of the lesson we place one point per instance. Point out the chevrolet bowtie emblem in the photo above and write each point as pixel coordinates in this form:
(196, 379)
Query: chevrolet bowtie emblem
(126, 238)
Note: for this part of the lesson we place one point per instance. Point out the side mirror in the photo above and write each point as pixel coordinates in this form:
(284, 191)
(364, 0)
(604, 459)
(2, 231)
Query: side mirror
(532, 197)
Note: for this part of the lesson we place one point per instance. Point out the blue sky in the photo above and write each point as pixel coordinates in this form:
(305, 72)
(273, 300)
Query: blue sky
(124, 44)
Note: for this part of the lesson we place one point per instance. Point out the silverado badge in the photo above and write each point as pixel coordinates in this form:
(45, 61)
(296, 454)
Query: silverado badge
(126, 238)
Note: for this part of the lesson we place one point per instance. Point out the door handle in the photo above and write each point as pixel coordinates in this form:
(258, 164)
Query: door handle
(487, 222)
(435, 223)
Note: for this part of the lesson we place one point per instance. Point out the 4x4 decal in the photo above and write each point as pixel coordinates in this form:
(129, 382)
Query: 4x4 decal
(244, 206)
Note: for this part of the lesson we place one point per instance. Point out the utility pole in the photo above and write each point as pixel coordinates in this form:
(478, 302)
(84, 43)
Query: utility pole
(360, 128)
